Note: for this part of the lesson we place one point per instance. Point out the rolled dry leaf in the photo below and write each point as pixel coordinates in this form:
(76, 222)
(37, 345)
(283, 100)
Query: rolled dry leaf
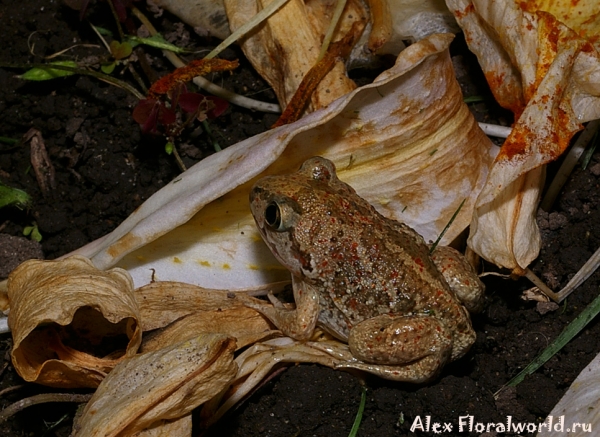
(169, 428)
(246, 325)
(71, 323)
(286, 47)
(163, 302)
(155, 386)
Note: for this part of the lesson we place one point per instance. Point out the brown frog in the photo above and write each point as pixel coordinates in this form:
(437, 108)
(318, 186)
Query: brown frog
(367, 280)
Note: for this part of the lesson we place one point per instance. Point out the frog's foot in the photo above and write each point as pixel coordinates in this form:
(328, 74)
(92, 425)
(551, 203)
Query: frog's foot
(405, 348)
(299, 323)
(460, 276)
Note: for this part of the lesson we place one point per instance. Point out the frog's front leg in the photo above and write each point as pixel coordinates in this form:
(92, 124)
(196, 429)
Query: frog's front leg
(300, 322)
(410, 348)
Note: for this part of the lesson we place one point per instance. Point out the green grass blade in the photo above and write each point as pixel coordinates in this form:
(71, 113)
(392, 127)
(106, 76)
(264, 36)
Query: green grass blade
(47, 72)
(574, 328)
(359, 413)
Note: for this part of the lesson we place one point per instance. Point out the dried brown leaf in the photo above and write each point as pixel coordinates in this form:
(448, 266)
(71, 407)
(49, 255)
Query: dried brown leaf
(71, 323)
(162, 385)
(246, 325)
(162, 303)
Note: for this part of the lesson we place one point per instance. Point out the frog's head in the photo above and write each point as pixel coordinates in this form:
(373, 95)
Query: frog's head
(288, 209)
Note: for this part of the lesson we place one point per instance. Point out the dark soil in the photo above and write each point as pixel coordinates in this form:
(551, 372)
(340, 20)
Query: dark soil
(105, 168)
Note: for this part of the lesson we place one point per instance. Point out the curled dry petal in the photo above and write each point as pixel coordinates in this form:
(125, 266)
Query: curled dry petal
(542, 61)
(162, 385)
(71, 323)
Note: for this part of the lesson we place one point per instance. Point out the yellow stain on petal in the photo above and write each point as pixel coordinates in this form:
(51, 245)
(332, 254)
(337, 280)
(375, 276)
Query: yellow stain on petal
(583, 16)
(267, 268)
(204, 263)
(177, 260)
(256, 237)
(226, 266)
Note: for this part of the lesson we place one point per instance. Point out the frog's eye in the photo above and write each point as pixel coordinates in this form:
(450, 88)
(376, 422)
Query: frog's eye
(274, 217)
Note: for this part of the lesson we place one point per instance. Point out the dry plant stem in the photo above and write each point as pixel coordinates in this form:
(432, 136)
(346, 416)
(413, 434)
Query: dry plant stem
(41, 399)
(494, 130)
(569, 164)
(4, 320)
(337, 14)
(205, 84)
(584, 272)
(381, 17)
(12, 388)
(540, 284)
(251, 24)
(337, 51)
(180, 163)
(99, 35)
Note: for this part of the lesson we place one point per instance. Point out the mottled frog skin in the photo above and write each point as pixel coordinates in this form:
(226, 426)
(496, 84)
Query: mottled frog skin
(367, 280)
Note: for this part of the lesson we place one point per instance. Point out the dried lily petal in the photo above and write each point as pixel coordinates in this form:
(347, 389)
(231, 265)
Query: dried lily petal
(162, 385)
(162, 303)
(290, 38)
(577, 405)
(256, 362)
(181, 427)
(71, 323)
(407, 143)
(548, 74)
(246, 325)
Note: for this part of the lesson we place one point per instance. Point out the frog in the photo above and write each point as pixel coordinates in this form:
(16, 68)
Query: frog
(365, 279)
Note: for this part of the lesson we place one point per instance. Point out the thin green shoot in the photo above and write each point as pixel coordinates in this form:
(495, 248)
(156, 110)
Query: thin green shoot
(13, 196)
(53, 425)
(104, 77)
(434, 245)
(474, 99)
(156, 41)
(590, 151)
(243, 30)
(211, 136)
(574, 328)
(359, 413)
(7, 140)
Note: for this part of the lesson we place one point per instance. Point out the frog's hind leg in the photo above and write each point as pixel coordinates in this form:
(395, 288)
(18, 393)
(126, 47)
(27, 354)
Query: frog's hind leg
(404, 348)
(460, 277)
(297, 323)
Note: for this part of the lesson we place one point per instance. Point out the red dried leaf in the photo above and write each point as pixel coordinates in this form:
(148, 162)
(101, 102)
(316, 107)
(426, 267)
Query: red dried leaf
(219, 108)
(149, 113)
(190, 102)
